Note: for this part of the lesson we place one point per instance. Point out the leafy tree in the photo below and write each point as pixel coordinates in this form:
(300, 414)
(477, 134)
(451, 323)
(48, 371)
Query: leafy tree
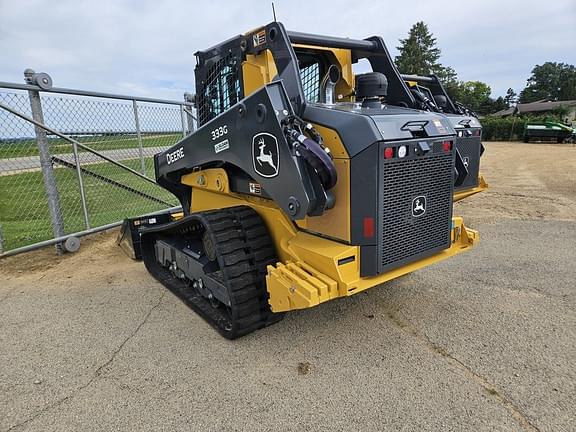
(494, 105)
(419, 54)
(449, 79)
(554, 81)
(511, 98)
(475, 95)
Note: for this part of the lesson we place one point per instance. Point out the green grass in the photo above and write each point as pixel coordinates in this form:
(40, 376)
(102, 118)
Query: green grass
(23, 148)
(24, 216)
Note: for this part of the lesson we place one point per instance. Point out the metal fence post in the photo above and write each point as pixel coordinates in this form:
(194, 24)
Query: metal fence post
(183, 120)
(189, 99)
(139, 136)
(46, 165)
(81, 185)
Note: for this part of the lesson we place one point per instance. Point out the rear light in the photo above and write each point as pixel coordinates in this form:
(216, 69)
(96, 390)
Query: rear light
(402, 151)
(368, 227)
(447, 146)
(477, 132)
(388, 153)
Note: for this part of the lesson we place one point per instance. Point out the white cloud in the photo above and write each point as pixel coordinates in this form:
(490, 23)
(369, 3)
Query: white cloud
(146, 47)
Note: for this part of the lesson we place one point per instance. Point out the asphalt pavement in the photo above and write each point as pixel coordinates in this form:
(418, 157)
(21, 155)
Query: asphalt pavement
(485, 341)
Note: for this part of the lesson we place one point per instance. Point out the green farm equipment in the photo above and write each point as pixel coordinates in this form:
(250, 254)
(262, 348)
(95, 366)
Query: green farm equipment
(543, 131)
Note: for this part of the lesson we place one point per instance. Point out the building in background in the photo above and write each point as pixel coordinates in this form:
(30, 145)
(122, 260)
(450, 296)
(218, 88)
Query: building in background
(542, 107)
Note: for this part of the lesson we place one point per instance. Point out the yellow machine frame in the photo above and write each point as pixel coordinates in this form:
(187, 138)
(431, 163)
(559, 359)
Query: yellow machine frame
(312, 269)
(315, 263)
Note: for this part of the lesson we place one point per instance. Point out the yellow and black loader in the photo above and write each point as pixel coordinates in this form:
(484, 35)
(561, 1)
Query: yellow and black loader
(303, 182)
(430, 95)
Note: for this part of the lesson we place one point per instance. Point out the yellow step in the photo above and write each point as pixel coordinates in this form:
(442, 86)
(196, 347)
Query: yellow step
(296, 285)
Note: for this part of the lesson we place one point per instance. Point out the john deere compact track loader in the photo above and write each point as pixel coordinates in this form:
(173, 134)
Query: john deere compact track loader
(430, 95)
(303, 182)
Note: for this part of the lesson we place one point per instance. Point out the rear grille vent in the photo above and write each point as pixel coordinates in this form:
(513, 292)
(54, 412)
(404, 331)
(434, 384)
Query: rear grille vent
(404, 237)
(469, 148)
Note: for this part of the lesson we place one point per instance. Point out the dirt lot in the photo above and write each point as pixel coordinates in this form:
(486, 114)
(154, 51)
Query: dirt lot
(485, 341)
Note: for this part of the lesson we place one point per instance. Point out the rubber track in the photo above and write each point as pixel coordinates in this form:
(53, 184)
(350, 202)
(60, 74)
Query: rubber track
(243, 249)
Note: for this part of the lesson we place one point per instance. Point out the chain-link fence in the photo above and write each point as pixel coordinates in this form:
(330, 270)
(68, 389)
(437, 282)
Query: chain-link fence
(73, 161)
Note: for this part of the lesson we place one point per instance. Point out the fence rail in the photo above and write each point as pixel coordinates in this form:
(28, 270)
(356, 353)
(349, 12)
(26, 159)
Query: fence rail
(73, 161)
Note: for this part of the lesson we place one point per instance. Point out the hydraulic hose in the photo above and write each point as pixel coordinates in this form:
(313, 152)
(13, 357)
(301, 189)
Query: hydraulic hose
(317, 156)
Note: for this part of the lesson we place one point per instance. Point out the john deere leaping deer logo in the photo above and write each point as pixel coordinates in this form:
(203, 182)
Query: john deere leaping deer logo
(265, 154)
(264, 157)
(419, 206)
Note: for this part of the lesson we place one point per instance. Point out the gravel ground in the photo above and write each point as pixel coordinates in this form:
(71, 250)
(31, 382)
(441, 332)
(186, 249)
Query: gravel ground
(484, 341)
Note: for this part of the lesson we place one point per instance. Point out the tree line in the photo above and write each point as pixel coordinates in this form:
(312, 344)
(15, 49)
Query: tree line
(420, 55)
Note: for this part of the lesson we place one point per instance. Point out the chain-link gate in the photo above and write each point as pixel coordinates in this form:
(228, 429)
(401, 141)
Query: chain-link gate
(74, 161)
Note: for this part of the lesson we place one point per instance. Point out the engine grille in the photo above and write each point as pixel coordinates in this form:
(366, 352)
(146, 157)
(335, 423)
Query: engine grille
(469, 147)
(404, 237)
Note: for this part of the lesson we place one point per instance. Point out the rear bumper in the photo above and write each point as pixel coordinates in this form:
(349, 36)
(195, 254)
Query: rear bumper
(326, 270)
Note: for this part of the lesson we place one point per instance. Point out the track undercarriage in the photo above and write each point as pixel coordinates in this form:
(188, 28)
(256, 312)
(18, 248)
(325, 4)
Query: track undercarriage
(215, 262)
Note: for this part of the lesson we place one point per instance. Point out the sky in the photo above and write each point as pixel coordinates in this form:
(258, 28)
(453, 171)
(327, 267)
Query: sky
(146, 48)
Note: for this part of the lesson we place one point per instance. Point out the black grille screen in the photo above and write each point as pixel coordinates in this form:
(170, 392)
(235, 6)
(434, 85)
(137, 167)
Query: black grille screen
(310, 77)
(220, 89)
(404, 237)
(469, 148)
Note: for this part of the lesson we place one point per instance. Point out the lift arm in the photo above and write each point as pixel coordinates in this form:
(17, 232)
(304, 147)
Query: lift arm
(252, 136)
